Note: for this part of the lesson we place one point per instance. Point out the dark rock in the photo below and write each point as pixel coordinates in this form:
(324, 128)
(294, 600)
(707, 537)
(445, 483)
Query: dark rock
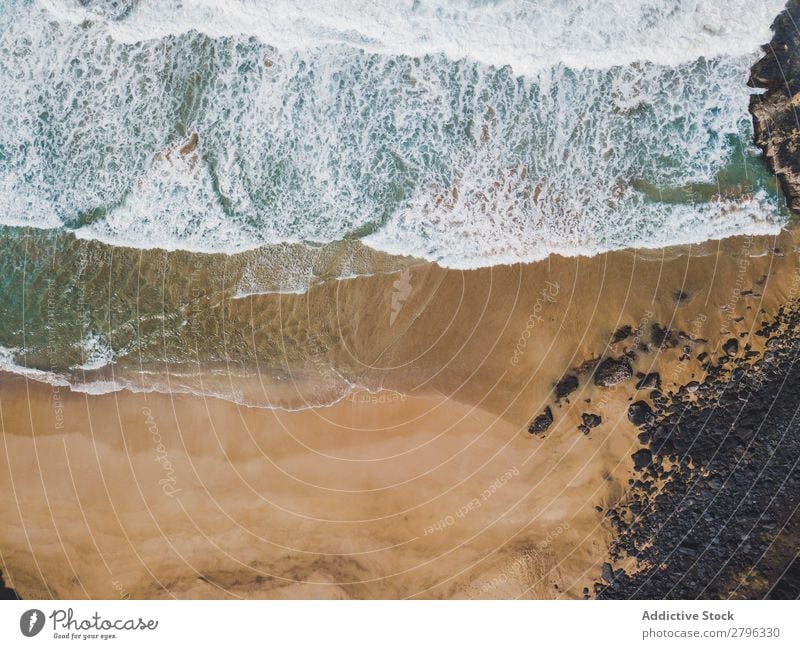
(648, 381)
(566, 386)
(622, 333)
(642, 459)
(640, 413)
(5, 592)
(731, 347)
(590, 420)
(542, 422)
(613, 371)
(663, 337)
(607, 573)
(774, 111)
(728, 505)
(788, 586)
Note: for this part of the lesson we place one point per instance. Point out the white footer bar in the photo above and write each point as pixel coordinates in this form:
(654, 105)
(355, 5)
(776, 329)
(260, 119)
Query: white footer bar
(389, 624)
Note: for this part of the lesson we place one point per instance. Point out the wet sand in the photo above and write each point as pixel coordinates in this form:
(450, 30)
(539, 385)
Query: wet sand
(428, 485)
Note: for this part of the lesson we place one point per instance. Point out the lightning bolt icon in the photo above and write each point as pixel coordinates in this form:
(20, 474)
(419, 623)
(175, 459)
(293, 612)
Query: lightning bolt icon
(32, 621)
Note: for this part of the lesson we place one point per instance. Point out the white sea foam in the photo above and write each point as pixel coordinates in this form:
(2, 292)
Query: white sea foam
(97, 353)
(239, 389)
(470, 133)
(529, 36)
(8, 363)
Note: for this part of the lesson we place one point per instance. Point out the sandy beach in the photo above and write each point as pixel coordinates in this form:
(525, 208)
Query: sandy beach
(418, 480)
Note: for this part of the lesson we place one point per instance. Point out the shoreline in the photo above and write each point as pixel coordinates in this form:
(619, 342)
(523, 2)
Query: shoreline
(240, 499)
(369, 332)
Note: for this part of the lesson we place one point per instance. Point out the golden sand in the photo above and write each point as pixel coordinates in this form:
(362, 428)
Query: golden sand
(419, 481)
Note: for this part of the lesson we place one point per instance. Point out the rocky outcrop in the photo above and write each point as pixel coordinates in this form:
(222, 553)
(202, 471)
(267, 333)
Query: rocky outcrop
(776, 118)
(712, 508)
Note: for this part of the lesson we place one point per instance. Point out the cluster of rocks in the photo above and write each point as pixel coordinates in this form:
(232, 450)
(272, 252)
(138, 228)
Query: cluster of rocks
(713, 509)
(589, 420)
(611, 371)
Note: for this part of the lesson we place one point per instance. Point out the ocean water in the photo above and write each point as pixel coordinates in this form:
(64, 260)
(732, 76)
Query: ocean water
(469, 133)
(303, 141)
